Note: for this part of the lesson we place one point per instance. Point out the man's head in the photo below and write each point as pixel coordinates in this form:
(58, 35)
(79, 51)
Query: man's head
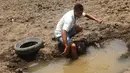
(78, 10)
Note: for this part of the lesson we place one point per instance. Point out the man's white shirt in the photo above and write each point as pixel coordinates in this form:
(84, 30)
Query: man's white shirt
(66, 23)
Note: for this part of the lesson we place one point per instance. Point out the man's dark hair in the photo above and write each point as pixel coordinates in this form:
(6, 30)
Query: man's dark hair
(78, 7)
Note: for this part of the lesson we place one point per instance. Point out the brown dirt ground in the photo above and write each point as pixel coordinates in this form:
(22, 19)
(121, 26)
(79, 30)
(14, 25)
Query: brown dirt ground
(38, 18)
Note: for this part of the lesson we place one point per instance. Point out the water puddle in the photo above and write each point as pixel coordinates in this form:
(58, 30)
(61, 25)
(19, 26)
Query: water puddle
(96, 61)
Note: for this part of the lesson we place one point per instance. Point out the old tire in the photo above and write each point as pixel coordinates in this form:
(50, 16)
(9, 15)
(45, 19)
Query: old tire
(28, 46)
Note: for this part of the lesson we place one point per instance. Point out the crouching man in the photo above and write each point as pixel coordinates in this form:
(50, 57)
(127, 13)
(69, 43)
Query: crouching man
(67, 28)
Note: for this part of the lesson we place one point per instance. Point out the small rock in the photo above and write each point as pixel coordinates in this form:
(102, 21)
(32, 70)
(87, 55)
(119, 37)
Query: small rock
(19, 70)
(12, 20)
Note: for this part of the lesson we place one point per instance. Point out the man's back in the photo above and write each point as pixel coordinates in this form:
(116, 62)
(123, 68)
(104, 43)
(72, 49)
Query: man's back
(65, 23)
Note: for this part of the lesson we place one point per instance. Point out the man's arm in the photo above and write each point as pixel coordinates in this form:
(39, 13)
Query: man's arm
(93, 18)
(64, 37)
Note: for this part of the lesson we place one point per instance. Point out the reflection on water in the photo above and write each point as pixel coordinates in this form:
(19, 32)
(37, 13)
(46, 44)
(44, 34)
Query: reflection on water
(103, 60)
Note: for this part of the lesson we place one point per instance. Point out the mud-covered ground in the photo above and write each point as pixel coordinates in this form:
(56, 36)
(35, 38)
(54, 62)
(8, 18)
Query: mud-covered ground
(26, 18)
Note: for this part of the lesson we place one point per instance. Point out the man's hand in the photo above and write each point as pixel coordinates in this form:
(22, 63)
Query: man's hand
(92, 17)
(64, 37)
(66, 50)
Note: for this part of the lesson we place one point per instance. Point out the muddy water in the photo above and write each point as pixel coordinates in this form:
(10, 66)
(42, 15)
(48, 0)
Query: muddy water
(104, 60)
